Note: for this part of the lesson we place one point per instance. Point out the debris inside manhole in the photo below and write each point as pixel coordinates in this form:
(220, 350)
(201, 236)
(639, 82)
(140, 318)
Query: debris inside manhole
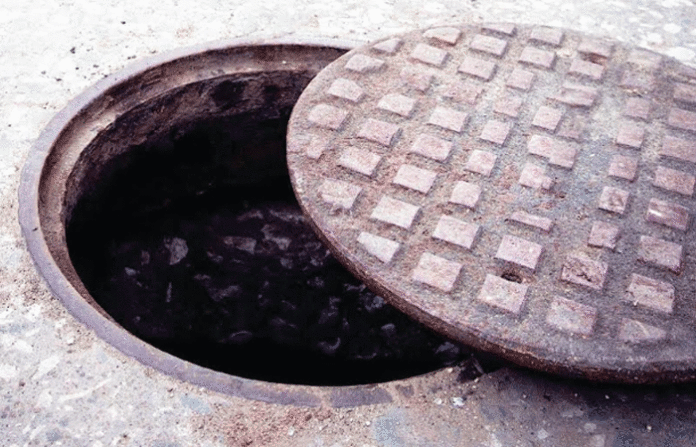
(232, 278)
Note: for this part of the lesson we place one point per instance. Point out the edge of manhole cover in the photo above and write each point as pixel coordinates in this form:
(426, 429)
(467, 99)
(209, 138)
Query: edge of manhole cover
(526, 190)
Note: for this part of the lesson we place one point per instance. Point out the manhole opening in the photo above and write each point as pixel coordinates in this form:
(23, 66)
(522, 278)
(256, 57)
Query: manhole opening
(191, 239)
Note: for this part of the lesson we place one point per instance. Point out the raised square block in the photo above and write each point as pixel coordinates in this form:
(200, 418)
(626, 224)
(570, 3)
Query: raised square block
(660, 253)
(577, 95)
(445, 34)
(395, 212)
(678, 148)
(436, 271)
(382, 248)
(547, 118)
(339, 193)
(389, 46)
(456, 231)
(478, 67)
(645, 59)
(316, 147)
(429, 55)
(685, 93)
(503, 294)
(623, 167)
(395, 103)
(520, 79)
(637, 108)
(535, 176)
(519, 251)
(634, 331)
(571, 316)
(463, 92)
(346, 89)
(630, 135)
(668, 214)
(595, 47)
(673, 180)
(481, 162)
(613, 199)
(415, 178)
(503, 28)
(508, 105)
(359, 160)
(329, 117)
(466, 194)
(586, 69)
(648, 292)
(416, 79)
(550, 36)
(432, 147)
(537, 57)
(496, 131)
(581, 270)
(364, 64)
(448, 119)
(682, 119)
(378, 131)
(542, 223)
(603, 235)
(638, 81)
(489, 45)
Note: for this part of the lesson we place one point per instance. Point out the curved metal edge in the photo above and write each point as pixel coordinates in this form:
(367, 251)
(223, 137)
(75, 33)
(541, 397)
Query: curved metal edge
(107, 329)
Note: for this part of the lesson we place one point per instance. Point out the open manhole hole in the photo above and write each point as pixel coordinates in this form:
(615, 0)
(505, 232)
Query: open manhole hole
(526, 190)
(166, 210)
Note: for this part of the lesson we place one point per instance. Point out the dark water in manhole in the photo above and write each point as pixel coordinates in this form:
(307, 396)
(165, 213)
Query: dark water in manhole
(190, 256)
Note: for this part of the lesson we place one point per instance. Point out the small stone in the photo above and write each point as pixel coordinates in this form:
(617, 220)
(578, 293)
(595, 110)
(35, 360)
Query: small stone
(537, 57)
(630, 135)
(534, 176)
(542, 223)
(637, 108)
(551, 36)
(329, 117)
(594, 47)
(547, 118)
(657, 295)
(339, 193)
(633, 331)
(445, 34)
(679, 148)
(508, 105)
(389, 46)
(682, 119)
(668, 214)
(416, 79)
(346, 89)
(577, 95)
(489, 45)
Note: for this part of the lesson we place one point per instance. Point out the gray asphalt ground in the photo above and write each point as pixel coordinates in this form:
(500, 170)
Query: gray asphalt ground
(62, 385)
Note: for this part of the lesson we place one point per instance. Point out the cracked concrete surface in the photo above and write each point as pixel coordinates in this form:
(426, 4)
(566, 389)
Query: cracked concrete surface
(61, 385)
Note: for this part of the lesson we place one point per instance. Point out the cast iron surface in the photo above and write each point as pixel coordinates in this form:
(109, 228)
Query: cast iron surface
(525, 190)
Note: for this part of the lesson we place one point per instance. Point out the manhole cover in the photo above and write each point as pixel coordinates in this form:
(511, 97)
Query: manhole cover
(525, 190)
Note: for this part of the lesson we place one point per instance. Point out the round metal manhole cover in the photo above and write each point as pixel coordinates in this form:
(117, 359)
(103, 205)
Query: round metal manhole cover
(527, 190)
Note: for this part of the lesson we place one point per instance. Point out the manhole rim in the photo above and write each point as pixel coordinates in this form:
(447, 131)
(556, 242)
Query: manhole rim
(29, 196)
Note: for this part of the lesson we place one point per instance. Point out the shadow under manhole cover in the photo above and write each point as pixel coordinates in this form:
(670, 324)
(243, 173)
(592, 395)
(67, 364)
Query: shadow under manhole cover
(526, 190)
(169, 183)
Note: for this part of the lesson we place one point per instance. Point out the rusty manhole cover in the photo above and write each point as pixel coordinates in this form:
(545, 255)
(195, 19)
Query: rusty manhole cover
(525, 190)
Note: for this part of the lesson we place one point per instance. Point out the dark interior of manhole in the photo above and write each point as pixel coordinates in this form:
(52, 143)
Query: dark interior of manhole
(220, 268)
